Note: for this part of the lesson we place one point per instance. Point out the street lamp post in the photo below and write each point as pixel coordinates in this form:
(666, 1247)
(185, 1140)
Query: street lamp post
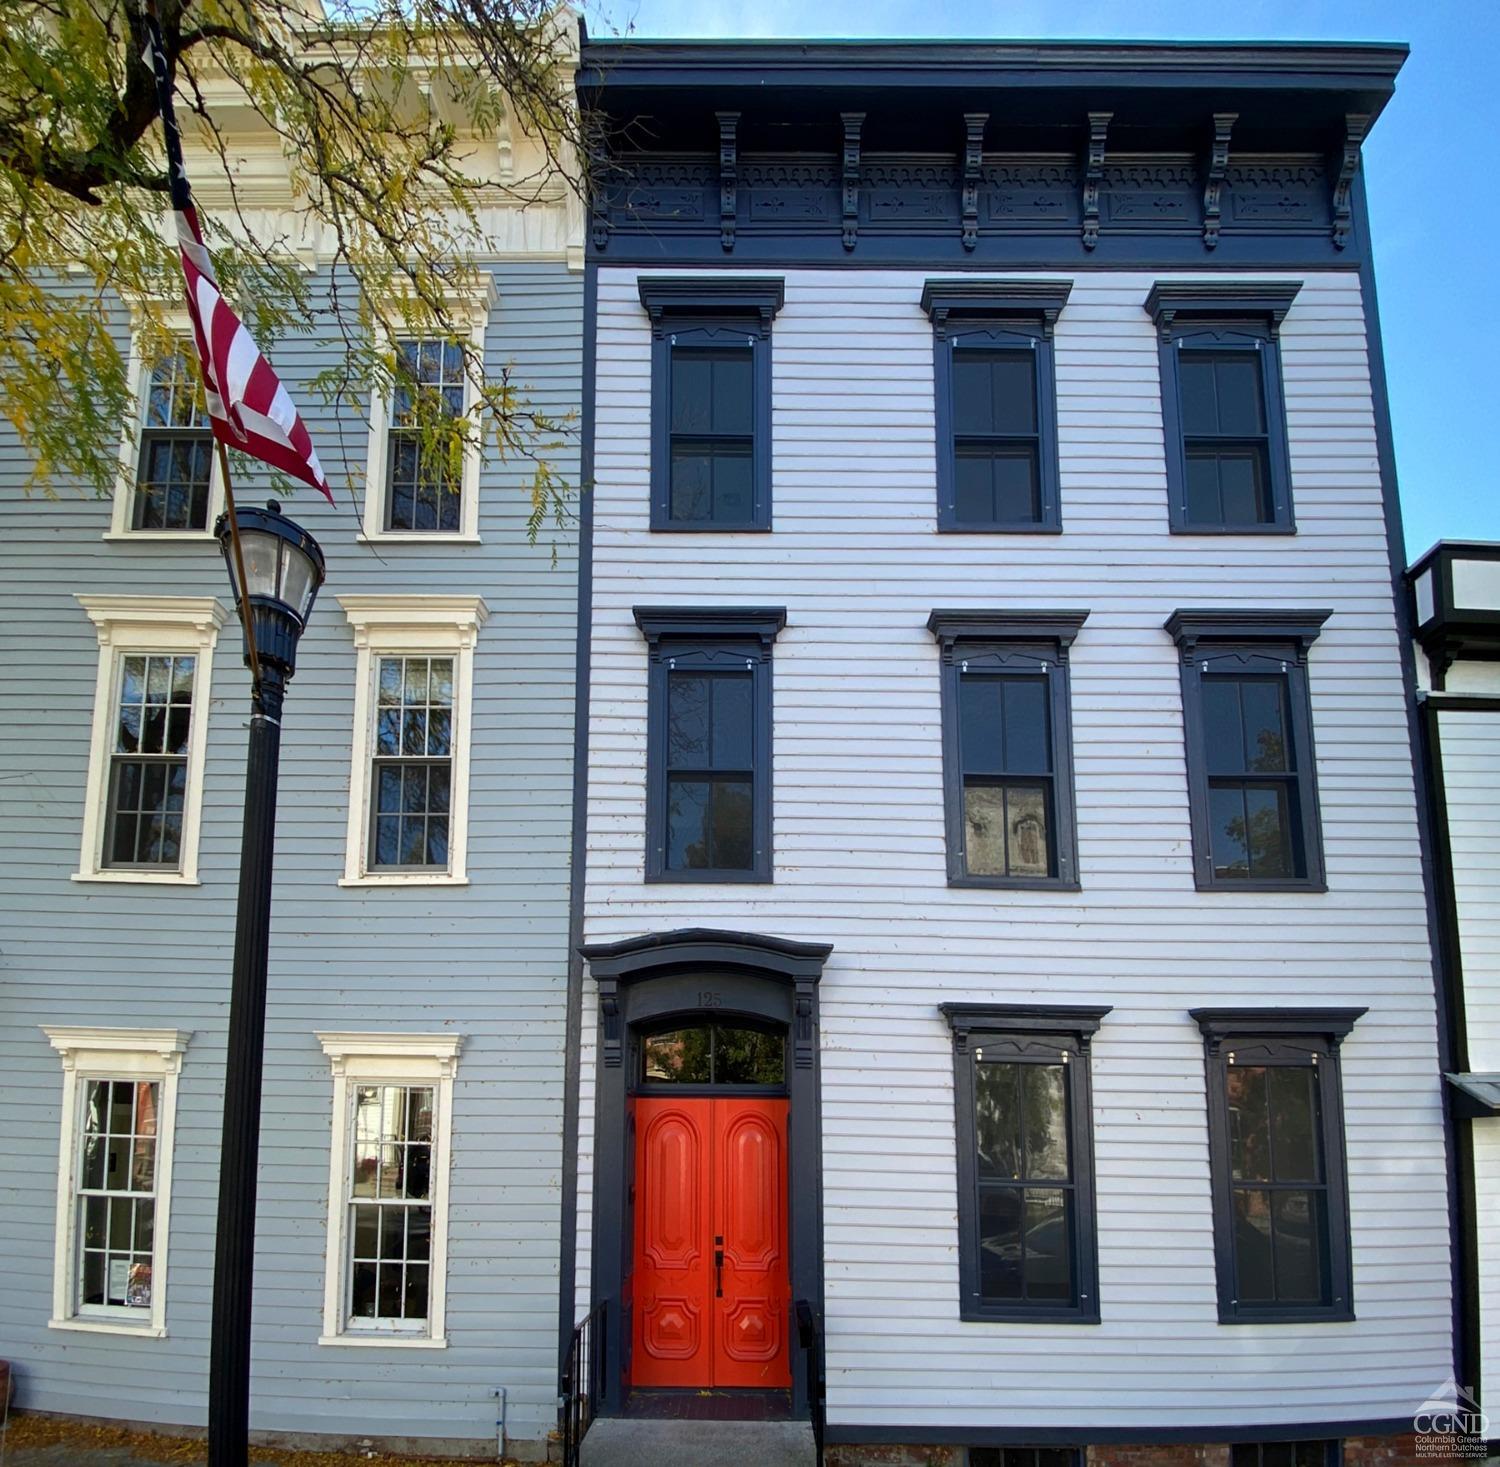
(282, 568)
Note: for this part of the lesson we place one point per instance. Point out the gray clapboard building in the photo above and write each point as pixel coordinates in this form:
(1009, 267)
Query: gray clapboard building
(407, 1263)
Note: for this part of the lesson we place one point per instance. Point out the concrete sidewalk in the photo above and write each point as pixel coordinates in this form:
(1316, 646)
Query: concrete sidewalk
(635, 1442)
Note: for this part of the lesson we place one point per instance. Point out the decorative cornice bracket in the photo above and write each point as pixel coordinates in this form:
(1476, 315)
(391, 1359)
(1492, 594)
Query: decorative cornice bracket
(974, 124)
(1078, 1021)
(1058, 628)
(756, 297)
(1218, 167)
(1093, 175)
(1235, 1026)
(1356, 126)
(710, 623)
(853, 123)
(729, 182)
(1170, 301)
(1192, 628)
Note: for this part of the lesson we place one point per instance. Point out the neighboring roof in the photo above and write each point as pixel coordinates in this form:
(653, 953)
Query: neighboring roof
(1478, 1095)
(1280, 89)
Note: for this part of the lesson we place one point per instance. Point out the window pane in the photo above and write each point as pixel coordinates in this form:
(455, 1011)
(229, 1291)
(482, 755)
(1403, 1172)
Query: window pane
(997, 1119)
(1226, 819)
(1300, 1243)
(688, 711)
(1045, 1113)
(1241, 410)
(733, 840)
(687, 824)
(691, 494)
(712, 482)
(994, 391)
(984, 829)
(1223, 725)
(973, 398)
(1266, 745)
(680, 1055)
(1015, 475)
(973, 486)
(733, 489)
(1049, 1267)
(1195, 373)
(1204, 506)
(709, 824)
(1249, 1123)
(1242, 486)
(1269, 829)
(1000, 1242)
(1292, 1097)
(981, 714)
(414, 1297)
(1254, 1277)
(1027, 846)
(712, 389)
(748, 1057)
(995, 483)
(733, 731)
(1027, 745)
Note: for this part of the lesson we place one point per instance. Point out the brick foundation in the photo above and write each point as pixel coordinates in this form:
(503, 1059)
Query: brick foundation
(1374, 1451)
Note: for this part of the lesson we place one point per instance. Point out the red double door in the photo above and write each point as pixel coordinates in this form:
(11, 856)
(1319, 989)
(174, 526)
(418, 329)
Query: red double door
(710, 1285)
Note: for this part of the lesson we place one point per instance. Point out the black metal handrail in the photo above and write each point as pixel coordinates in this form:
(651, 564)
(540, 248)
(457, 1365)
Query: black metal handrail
(811, 1339)
(581, 1384)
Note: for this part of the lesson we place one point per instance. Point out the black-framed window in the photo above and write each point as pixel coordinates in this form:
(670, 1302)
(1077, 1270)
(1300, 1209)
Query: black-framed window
(995, 403)
(1285, 1454)
(1223, 408)
(708, 743)
(1276, 1156)
(1024, 1457)
(711, 400)
(175, 471)
(1024, 1116)
(1247, 719)
(1007, 746)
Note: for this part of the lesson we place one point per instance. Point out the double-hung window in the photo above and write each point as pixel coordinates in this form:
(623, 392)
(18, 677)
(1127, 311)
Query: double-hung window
(996, 402)
(1223, 412)
(1007, 746)
(422, 475)
(408, 818)
(1026, 1216)
(114, 1176)
(1247, 720)
(708, 740)
(388, 1188)
(711, 400)
(145, 782)
(1285, 1454)
(1276, 1155)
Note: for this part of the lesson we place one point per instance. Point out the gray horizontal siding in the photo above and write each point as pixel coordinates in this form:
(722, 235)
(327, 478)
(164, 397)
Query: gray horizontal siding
(488, 960)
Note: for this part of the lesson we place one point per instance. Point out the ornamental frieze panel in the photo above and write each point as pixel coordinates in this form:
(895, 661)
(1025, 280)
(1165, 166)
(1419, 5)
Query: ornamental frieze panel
(1153, 194)
(1277, 194)
(789, 192)
(1032, 192)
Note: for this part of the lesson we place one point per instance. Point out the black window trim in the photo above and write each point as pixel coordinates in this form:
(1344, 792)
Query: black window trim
(702, 304)
(672, 632)
(1202, 313)
(1067, 1029)
(1278, 1032)
(1284, 637)
(1010, 312)
(1034, 640)
(1333, 1447)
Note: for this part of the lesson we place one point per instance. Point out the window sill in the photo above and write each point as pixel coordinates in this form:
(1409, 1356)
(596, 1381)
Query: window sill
(403, 878)
(1234, 529)
(161, 537)
(1315, 888)
(996, 1315)
(946, 529)
(1014, 883)
(1291, 1316)
(667, 527)
(709, 878)
(386, 1342)
(418, 537)
(108, 1327)
(138, 878)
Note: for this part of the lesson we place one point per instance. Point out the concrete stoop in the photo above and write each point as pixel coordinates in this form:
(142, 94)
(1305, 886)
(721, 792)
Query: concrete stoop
(616, 1441)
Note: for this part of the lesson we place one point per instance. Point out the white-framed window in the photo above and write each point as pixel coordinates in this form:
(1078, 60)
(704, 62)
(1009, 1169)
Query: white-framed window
(170, 487)
(386, 1279)
(144, 798)
(409, 495)
(114, 1177)
(413, 710)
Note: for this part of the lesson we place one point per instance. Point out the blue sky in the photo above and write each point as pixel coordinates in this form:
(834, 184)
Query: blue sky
(1429, 165)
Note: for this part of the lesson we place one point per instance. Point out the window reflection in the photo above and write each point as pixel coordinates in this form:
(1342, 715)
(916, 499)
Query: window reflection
(714, 1054)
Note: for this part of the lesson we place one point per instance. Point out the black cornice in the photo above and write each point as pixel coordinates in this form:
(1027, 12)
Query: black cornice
(760, 296)
(1169, 301)
(982, 297)
(704, 622)
(1220, 1025)
(984, 625)
(1191, 626)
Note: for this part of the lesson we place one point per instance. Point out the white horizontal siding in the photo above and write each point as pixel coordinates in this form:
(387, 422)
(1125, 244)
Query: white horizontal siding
(859, 856)
(1470, 744)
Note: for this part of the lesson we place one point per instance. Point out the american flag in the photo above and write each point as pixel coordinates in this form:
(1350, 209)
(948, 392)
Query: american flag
(249, 408)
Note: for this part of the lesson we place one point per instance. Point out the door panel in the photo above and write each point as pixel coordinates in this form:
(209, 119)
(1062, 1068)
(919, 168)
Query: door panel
(750, 1214)
(673, 1265)
(711, 1291)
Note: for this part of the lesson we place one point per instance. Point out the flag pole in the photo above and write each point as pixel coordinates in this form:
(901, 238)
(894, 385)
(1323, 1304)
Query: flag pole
(252, 654)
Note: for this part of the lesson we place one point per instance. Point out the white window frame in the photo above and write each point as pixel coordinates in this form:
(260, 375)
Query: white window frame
(138, 376)
(410, 626)
(91, 1053)
(474, 301)
(387, 1059)
(126, 625)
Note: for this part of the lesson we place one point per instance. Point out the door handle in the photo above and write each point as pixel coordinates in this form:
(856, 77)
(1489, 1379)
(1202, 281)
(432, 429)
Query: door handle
(719, 1268)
